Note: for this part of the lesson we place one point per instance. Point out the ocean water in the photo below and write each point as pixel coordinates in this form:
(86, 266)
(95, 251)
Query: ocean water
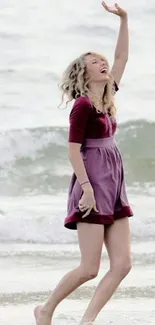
(37, 40)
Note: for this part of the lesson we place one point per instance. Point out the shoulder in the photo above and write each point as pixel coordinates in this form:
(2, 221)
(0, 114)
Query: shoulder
(82, 106)
(83, 101)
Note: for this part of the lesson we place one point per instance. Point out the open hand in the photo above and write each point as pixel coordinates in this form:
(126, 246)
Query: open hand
(116, 10)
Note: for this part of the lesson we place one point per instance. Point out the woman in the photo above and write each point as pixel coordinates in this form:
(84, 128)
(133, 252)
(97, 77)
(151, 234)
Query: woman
(97, 206)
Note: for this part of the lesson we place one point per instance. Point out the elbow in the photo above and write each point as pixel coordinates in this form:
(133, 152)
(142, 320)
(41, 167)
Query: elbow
(125, 58)
(71, 156)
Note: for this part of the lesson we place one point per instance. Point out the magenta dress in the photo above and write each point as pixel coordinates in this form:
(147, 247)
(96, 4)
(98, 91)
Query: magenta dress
(103, 163)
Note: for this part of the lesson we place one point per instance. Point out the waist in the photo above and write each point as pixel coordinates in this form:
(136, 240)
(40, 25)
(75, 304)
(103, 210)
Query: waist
(100, 143)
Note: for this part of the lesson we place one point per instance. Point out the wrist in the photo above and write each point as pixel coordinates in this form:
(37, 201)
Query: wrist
(124, 17)
(86, 187)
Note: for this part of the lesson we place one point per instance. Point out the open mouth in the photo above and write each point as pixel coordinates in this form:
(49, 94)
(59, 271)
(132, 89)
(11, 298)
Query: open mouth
(104, 70)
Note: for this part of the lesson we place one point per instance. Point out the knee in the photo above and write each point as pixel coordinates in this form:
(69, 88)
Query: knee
(89, 273)
(122, 267)
(125, 268)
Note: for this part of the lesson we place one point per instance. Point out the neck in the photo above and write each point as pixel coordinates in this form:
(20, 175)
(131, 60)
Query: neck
(96, 92)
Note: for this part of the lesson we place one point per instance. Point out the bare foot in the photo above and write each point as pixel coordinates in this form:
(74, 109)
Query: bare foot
(41, 317)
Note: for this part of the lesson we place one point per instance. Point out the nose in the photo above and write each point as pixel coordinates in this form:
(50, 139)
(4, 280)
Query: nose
(103, 64)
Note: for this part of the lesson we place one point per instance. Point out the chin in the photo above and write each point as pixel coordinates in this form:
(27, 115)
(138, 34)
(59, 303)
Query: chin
(106, 77)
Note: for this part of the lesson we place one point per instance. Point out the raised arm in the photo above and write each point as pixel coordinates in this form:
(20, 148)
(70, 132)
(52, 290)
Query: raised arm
(122, 46)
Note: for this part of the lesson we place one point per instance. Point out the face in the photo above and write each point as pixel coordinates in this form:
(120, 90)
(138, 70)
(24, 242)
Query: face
(97, 68)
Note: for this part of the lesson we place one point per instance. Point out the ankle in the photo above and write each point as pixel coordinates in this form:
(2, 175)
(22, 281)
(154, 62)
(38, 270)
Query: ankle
(46, 310)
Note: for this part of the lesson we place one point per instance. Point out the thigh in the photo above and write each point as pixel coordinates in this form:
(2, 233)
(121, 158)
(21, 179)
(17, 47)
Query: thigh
(91, 237)
(118, 241)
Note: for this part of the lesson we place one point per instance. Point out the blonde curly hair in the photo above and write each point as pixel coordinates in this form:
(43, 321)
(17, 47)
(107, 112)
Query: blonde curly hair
(75, 83)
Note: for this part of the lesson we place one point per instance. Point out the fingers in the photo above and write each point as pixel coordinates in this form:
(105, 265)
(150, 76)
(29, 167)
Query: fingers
(87, 213)
(117, 6)
(95, 208)
(105, 5)
(88, 210)
(83, 209)
(112, 9)
(86, 204)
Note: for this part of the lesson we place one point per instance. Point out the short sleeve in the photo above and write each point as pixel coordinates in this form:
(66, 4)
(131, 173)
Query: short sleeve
(79, 116)
(114, 88)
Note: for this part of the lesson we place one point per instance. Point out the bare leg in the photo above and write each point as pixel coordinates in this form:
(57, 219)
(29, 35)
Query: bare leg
(90, 241)
(117, 240)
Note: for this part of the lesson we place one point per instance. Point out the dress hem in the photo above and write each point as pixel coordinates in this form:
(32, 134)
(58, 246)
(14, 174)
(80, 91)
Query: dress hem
(95, 218)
